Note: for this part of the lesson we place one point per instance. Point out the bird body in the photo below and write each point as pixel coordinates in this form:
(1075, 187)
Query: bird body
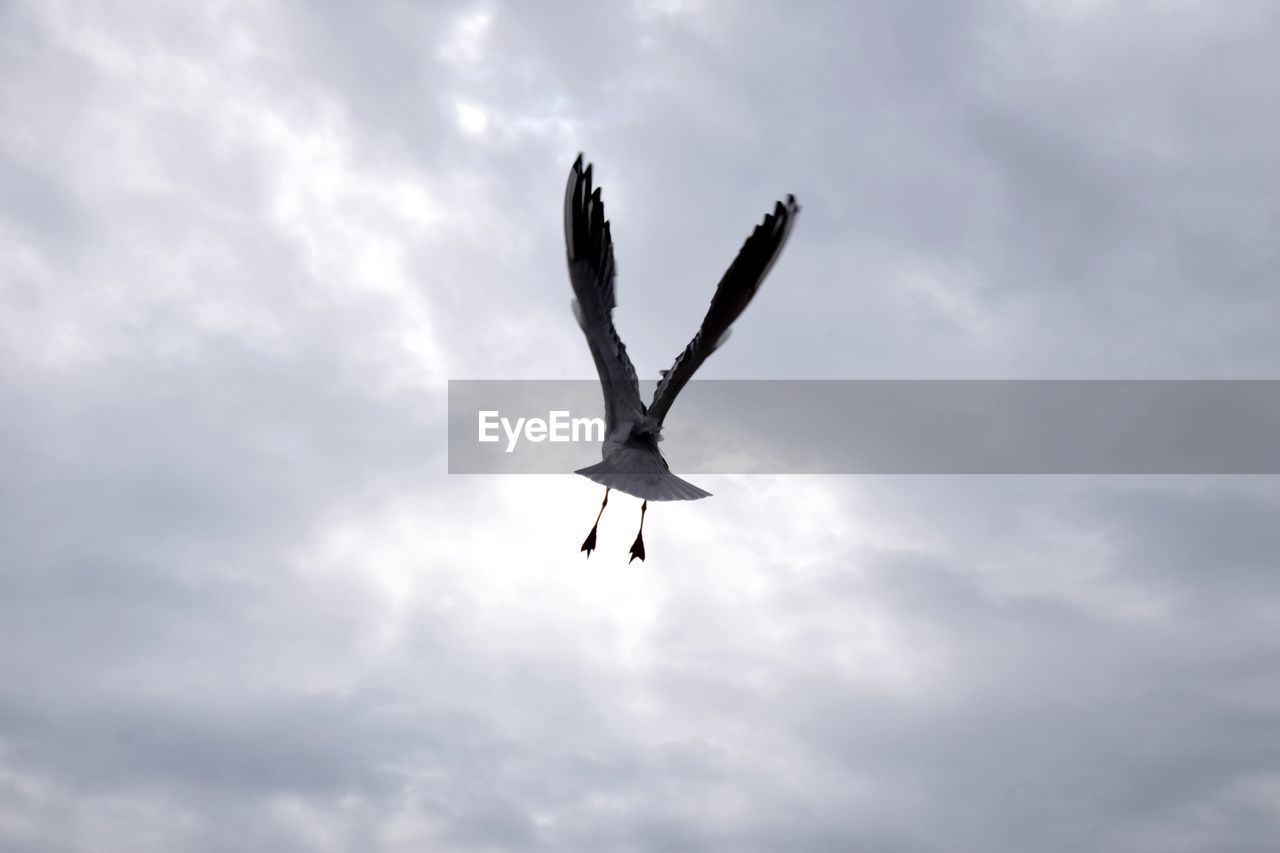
(631, 461)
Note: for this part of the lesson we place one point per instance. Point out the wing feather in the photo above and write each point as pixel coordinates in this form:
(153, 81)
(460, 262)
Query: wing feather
(589, 246)
(734, 292)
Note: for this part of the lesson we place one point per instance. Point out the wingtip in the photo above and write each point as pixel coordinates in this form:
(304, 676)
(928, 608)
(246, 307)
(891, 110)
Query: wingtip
(579, 172)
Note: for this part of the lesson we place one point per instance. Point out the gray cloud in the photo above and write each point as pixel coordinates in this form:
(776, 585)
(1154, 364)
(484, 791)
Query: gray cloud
(245, 609)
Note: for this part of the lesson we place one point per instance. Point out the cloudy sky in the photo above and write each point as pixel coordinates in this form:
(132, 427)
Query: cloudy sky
(244, 608)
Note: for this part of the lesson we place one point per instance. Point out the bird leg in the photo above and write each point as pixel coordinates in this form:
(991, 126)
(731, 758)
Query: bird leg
(589, 544)
(637, 547)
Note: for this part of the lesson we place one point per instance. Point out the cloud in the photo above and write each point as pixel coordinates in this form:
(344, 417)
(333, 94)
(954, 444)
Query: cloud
(245, 608)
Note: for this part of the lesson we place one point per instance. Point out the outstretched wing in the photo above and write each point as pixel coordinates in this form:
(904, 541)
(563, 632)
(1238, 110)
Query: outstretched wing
(590, 250)
(733, 293)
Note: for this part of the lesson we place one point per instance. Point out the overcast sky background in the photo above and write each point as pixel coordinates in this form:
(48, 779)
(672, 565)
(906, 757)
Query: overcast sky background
(242, 607)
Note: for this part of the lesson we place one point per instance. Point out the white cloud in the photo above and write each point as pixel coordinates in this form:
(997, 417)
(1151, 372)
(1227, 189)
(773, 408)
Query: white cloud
(466, 40)
(472, 119)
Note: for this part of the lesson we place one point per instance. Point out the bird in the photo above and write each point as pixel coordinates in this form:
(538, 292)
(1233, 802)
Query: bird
(631, 461)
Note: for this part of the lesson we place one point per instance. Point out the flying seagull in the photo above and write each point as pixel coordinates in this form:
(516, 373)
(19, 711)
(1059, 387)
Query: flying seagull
(632, 462)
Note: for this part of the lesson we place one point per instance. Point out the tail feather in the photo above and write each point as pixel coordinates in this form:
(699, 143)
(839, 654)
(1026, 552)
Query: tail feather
(650, 482)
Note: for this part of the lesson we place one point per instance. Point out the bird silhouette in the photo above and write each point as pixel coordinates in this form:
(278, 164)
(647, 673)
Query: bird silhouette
(631, 461)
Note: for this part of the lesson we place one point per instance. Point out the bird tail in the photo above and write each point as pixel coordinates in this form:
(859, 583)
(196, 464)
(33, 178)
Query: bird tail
(649, 481)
